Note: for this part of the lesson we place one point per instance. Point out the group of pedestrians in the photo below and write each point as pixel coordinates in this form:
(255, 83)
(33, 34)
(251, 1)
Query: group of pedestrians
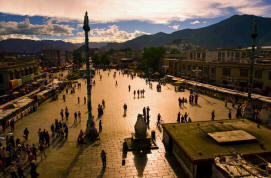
(140, 93)
(193, 98)
(66, 114)
(59, 129)
(183, 118)
(17, 156)
(182, 101)
(77, 114)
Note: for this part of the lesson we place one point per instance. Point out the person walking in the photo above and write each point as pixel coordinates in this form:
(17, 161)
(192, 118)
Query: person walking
(33, 171)
(62, 114)
(64, 98)
(67, 113)
(148, 111)
(75, 117)
(100, 126)
(144, 112)
(26, 133)
(125, 108)
(158, 119)
(103, 157)
(129, 88)
(78, 99)
(66, 130)
(42, 150)
(34, 151)
(213, 115)
(79, 116)
(179, 117)
(85, 100)
(53, 129)
(103, 103)
(229, 113)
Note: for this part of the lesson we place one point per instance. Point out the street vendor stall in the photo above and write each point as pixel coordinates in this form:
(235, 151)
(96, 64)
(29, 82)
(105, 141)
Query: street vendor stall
(15, 109)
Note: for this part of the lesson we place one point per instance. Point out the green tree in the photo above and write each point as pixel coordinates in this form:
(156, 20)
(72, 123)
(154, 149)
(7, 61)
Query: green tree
(105, 59)
(77, 58)
(152, 57)
(96, 59)
(174, 51)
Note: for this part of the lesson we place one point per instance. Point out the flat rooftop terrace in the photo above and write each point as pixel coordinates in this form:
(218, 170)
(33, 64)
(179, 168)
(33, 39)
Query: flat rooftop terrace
(194, 138)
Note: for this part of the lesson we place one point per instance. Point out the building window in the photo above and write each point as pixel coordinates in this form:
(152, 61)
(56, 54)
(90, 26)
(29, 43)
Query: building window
(191, 55)
(237, 55)
(227, 72)
(258, 74)
(203, 55)
(189, 67)
(11, 75)
(269, 75)
(1, 78)
(184, 67)
(198, 55)
(243, 72)
(213, 70)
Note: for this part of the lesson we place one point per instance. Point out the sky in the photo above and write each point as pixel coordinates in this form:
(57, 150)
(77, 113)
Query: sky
(116, 20)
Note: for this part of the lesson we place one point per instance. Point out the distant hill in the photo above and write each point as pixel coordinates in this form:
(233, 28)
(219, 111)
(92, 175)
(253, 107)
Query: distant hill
(22, 45)
(229, 33)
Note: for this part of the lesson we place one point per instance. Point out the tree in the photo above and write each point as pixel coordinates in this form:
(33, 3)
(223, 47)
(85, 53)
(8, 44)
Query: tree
(96, 59)
(174, 51)
(152, 57)
(105, 59)
(77, 58)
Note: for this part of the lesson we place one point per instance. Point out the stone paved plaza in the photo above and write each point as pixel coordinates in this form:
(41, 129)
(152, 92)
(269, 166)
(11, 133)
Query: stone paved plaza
(66, 159)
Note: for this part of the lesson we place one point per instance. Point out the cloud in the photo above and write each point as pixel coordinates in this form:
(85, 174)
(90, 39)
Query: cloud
(26, 28)
(175, 27)
(16, 36)
(195, 22)
(156, 11)
(204, 22)
(111, 34)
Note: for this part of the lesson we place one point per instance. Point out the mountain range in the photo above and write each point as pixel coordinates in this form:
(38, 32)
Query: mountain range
(229, 33)
(25, 45)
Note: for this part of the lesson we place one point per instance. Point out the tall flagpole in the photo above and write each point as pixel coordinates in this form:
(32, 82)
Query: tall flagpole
(87, 29)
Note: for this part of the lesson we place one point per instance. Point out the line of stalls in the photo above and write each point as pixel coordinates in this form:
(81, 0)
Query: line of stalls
(260, 103)
(16, 110)
(219, 92)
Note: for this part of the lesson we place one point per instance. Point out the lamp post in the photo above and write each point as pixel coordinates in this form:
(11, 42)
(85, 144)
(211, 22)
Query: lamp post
(253, 36)
(86, 29)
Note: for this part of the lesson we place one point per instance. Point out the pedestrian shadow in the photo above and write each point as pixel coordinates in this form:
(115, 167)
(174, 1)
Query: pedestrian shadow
(197, 105)
(75, 159)
(101, 173)
(60, 143)
(140, 160)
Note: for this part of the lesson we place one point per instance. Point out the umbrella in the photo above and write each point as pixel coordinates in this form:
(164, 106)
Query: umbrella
(14, 93)
(12, 106)
(10, 133)
(178, 82)
(2, 138)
